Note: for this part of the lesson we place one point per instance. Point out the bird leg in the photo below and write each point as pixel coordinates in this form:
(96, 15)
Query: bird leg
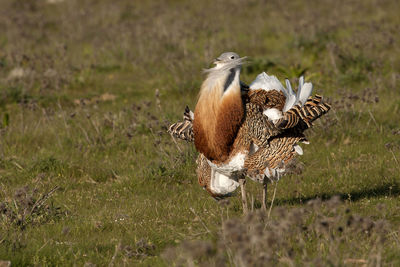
(264, 197)
(242, 182)
(273, 198)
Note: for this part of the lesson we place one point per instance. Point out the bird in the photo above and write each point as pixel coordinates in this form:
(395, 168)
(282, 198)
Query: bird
(265, 142)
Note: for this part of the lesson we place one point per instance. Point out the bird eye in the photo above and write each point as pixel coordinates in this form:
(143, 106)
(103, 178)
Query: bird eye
(232, 57)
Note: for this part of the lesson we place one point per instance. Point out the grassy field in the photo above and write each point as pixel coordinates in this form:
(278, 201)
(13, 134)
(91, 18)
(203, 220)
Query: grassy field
(88, 175)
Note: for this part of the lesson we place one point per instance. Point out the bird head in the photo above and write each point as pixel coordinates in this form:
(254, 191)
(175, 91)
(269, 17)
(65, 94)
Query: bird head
(228, 60)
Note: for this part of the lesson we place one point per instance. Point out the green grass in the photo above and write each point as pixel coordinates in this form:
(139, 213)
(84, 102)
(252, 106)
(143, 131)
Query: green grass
(83, 116)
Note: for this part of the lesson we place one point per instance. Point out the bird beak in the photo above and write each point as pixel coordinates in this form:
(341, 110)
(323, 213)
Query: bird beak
(242, 60)
(216, 61)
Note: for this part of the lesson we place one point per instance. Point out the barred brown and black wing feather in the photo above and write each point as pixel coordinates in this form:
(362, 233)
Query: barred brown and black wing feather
(183, 129)
(313, 109)
(188, 114)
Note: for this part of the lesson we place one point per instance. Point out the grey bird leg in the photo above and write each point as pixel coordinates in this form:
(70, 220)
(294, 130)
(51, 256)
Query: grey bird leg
(264, 197)
(242, 182)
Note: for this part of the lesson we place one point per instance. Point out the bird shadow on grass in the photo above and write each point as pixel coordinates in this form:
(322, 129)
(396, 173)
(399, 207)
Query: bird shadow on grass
(387, 189)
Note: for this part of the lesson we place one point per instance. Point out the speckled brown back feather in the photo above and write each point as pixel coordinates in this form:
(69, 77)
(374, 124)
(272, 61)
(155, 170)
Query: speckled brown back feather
(267, 99)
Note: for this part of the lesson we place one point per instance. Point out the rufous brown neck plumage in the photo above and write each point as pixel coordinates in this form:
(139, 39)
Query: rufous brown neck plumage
(218, 115)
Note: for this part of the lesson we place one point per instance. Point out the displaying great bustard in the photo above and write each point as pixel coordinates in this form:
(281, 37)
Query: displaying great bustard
(244, 131)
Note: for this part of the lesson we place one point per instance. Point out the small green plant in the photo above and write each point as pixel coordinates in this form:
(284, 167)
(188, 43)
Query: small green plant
(28, 207)
(6, 119)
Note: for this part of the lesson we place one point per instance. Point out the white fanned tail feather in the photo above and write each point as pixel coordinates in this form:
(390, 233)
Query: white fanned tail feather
(291, 98)
(266, 82)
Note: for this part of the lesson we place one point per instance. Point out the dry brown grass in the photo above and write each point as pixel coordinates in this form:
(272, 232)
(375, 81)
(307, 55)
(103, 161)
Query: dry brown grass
(320, 233)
